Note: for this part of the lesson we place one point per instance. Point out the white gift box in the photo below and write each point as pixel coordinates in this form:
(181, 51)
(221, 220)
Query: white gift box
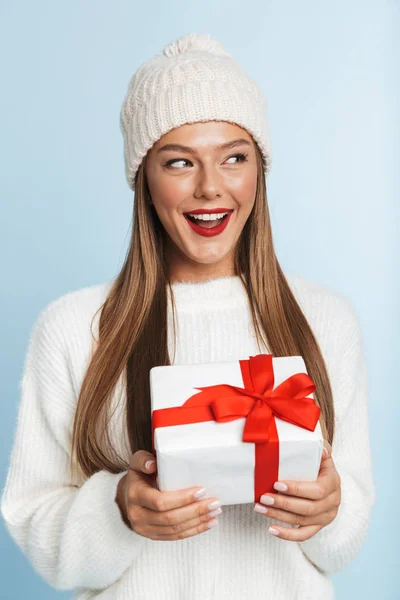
(213, 454)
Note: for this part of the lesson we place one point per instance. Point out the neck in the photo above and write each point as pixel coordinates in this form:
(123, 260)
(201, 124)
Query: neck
(181, 269)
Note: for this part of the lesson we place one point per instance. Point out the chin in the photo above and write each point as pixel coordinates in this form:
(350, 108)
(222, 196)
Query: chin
(208, 260)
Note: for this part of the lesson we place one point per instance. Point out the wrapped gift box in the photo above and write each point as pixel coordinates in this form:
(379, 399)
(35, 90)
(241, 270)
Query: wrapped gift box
(235, 427)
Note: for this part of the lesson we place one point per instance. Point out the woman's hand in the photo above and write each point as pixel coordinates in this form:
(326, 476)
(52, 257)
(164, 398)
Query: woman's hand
(307, 505)
(162, 515)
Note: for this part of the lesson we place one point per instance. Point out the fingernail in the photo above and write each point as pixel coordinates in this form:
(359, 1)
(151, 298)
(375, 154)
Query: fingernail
(149, 463)
(214, 505)
(212, 523)
(326, 451)
(200, 493)
(267, 499)
(214, 513)
(281, 487)
(260, 509)
(273, 531)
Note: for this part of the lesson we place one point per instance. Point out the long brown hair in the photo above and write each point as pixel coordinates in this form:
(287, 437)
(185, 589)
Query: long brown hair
(133, 330)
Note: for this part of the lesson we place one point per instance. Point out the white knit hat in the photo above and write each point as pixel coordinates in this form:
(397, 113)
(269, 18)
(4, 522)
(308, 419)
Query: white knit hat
(193, 79)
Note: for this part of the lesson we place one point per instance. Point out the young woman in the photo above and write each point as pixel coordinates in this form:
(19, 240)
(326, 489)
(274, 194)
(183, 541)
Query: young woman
(200, 283)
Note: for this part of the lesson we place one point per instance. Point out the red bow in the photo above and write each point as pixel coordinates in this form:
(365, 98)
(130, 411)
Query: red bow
(259, 402)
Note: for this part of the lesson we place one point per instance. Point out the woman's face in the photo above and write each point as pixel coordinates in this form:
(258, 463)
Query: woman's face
(211, 166)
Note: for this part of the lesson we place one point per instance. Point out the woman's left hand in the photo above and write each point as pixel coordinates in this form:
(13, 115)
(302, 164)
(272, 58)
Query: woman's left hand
(308, 505)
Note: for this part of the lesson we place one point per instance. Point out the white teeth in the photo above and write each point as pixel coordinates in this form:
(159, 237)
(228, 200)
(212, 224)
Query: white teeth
(205, 217)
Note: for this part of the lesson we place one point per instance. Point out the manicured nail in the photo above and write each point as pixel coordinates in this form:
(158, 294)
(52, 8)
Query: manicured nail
(214, 513)
(200, 493)
(212, 523)
(267, 499)
(214, 505)
(260, 509)
(273, 531)
(281, 487)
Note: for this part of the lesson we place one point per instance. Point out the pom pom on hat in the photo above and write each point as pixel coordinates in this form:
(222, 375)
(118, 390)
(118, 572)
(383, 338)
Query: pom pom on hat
(193, 79)
(192, 42)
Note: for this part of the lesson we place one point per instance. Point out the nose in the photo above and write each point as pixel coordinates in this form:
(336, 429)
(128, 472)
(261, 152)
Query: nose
(209, 183)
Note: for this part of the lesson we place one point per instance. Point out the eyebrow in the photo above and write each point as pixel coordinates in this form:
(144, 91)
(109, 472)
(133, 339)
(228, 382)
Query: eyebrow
(189, 150)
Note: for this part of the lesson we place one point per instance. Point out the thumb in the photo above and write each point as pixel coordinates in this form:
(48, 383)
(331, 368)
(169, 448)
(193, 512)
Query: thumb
(143, 461)
(327, 450)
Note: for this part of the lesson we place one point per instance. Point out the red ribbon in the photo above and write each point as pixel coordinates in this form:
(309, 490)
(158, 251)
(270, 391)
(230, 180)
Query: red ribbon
(259, 402)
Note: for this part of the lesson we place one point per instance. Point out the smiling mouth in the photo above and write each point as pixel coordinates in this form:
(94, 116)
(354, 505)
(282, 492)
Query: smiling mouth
(207, 224)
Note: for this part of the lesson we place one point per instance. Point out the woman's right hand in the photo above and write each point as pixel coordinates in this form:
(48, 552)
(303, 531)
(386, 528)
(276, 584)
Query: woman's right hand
(162, 515)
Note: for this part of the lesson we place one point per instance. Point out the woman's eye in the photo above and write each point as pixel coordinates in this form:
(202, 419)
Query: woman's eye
(242, 156)
(175, 160)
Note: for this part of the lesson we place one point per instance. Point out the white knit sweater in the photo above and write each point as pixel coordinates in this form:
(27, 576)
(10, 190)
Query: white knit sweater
(75, 537)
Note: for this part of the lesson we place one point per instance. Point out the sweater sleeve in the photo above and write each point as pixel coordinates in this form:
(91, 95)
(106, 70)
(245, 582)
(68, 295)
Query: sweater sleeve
(333, 547)
(74, 536)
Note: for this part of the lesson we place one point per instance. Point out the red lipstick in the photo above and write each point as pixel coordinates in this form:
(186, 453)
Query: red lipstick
(208, 211)
(210, 231)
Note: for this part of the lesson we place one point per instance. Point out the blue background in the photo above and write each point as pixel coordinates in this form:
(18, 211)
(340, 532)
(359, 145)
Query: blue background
(328, 70)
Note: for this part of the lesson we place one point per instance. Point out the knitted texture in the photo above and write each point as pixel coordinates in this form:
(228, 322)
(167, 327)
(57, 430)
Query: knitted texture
(193, 79)
(74, 536)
